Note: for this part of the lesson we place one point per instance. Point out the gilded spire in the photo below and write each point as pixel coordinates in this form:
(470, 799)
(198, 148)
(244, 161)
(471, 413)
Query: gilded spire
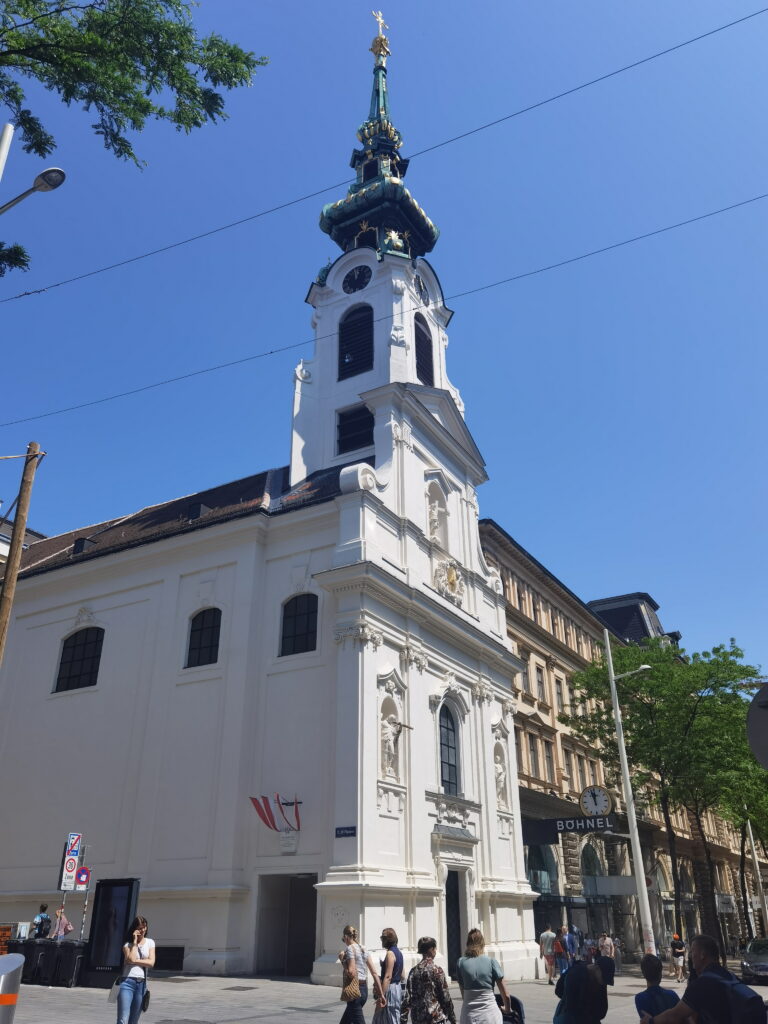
(378, 210)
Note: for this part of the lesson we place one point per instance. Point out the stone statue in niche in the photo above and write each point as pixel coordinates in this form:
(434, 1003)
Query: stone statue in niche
(501, 780)
(434, 520)
(390, 738)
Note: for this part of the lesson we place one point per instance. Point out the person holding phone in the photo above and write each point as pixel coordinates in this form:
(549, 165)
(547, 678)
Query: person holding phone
(138, 957)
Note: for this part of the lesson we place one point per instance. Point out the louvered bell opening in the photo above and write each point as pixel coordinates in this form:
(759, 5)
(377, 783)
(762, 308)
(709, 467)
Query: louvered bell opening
(356, 342)
(354, 429)
(425, 370)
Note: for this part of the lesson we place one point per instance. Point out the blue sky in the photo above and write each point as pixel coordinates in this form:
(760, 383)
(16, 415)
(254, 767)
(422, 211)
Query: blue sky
(619, 402)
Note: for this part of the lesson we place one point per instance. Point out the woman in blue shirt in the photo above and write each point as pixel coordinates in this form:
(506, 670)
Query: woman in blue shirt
(477, 975)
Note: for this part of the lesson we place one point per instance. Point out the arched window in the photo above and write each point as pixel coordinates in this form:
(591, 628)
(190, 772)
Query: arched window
(425, 370)
(80, 657)
(590, 862)
(449, 753)
(299, 625)
(204, 631)
(356, 342)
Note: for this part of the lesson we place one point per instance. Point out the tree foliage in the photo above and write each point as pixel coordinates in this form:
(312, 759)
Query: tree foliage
(679, 721)
(123, 61)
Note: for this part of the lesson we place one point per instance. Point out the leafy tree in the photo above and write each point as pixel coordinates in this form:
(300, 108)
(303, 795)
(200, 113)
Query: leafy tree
(664, 713)
(123, 60)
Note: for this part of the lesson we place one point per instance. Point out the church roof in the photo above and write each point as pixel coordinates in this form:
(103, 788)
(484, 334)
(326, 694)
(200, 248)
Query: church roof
(265, 493)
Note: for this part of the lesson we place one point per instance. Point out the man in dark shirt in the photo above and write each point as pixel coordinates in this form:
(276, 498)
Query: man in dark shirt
(678, 956)
(706, 996)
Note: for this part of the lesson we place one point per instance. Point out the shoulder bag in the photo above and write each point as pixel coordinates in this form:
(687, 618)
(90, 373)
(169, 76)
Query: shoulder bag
(350, 986)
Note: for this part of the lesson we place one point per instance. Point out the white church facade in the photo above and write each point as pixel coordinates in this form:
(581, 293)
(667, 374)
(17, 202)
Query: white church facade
(329, 632)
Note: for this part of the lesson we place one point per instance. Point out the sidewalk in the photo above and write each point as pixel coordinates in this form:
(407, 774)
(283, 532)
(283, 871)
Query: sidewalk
(187, 999)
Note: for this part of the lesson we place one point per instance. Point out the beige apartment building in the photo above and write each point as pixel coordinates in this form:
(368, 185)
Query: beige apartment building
(583, 879)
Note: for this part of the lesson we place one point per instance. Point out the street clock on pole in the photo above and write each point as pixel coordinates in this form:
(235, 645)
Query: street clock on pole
(595, 801)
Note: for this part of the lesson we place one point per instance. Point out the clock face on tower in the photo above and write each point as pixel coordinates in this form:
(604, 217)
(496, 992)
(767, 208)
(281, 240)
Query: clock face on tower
(357, 278)
(595, 800)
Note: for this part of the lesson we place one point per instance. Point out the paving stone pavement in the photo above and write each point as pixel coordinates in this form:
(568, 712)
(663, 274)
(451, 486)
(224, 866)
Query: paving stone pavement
(186, 999)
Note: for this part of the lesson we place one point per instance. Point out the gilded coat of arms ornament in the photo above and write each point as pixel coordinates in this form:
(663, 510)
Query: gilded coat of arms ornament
(449, 581)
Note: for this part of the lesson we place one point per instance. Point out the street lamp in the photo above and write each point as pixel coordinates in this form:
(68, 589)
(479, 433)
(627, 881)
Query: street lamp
(46, 181)
(649, 944)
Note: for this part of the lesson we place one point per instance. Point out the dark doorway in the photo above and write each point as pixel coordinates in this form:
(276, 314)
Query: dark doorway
(452, 920)
(287, 915)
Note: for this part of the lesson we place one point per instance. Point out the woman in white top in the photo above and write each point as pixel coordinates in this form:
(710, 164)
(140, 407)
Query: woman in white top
(354, 959)
(138, 957)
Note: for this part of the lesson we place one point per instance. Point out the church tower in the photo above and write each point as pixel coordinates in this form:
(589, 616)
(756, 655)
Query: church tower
(424, 673)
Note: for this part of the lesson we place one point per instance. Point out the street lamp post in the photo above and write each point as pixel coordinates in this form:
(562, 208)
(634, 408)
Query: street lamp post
(649, 944)
(46, 181)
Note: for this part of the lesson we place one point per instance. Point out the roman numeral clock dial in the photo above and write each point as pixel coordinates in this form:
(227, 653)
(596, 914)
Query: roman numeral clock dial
(356, 279)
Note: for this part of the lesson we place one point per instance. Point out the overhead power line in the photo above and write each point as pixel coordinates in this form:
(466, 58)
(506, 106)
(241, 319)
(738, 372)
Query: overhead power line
(429, 149)
(448, 298)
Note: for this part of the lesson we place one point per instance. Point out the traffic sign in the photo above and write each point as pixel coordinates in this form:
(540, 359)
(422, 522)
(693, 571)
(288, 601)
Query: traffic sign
(82, 877)
(68, 872)
(73, 844)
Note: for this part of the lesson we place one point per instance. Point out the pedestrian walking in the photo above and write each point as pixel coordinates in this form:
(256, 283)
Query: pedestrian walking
(61, 925)
(355, 963)
(677, 949)
(654, 999)
(138, 957)
(605, 945)
(617, 953)
(426, 998)
(41, 923)
(388, 1003)
(583, 992)
(547, 953)
(477, 974)
(714, 995)
(571, 943)
(560, 949)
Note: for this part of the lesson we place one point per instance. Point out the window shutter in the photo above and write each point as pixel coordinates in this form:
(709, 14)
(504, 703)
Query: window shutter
(356, 342)
(354, 429)
(425, 370)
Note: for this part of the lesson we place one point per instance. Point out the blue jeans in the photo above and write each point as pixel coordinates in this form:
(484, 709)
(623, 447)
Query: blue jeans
(129, 1000)
(353, 1012)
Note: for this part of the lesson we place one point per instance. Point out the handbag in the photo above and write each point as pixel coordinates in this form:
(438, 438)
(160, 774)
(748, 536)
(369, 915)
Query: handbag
(350, 986)
(145, 1002)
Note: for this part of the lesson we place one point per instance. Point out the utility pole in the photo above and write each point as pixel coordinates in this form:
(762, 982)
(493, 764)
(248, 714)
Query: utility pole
(758, 878)
(17, 542)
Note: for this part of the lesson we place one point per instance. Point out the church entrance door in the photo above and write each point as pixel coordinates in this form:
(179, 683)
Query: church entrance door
(287, 924)
(453, 920)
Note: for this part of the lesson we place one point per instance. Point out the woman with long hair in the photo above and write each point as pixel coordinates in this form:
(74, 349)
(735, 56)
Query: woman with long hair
(478, 974)
(138, 957)
(354, 962)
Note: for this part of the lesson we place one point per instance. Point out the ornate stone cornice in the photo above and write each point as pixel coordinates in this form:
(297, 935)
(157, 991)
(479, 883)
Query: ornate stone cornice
(481, 690)
(412, 655)
(359, 632)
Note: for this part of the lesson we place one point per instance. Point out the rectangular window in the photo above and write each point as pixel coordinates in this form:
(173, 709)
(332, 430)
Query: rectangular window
(535, 609)
(567, 633)
(569, 767)
(540, 691)
(518, 750)
(549, 761)
(354, 429)
(593, 773)
(559, 694)
(582, 772)
(533, 751)
(526, 681)
(520, 598)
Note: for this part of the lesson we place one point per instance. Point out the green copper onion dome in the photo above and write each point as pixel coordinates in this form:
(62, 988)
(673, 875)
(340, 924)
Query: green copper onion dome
(378, 210)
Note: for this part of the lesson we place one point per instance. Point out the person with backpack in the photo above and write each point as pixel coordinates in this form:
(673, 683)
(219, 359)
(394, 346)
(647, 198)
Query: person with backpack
(714, 996)
(41, 923)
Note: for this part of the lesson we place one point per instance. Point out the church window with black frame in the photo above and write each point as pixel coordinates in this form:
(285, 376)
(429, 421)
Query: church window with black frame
(299, 632)
(204, 632)
(356, 342)
(425, 370)
(354, 429)
(449, 753)
(80, 658)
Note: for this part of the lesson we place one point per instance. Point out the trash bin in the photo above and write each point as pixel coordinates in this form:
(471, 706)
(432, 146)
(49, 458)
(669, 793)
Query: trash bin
(71, 957)
(46, 961)
(16, 946)
(31, 952)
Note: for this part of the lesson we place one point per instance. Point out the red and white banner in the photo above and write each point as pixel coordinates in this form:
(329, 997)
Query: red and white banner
(276, 811)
